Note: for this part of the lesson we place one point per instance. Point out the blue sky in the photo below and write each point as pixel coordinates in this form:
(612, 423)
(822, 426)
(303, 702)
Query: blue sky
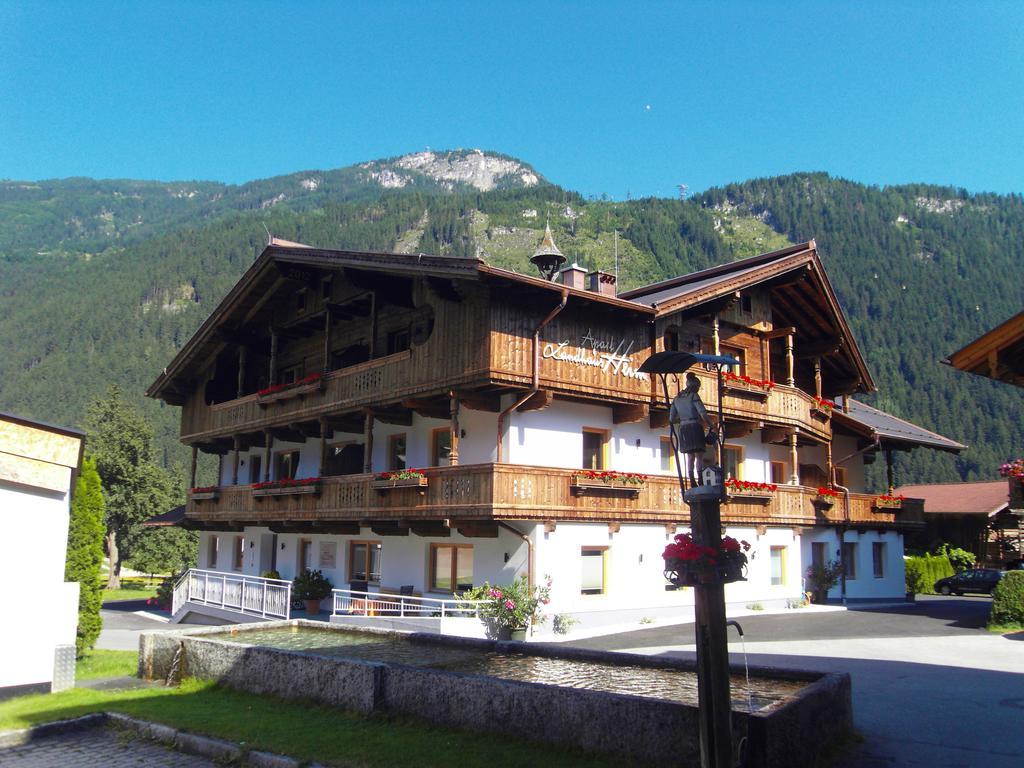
(600, 97)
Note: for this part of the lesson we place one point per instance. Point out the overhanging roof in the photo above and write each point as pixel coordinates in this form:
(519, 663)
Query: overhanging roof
(997, 354)
(167, 519)
(892, 431)
(985, 498)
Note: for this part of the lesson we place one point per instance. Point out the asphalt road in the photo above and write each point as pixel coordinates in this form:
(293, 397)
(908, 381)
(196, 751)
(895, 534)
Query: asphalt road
(931, 687)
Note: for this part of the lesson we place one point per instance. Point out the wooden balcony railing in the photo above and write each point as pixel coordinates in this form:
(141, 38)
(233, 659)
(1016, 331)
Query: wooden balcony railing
(515, 492)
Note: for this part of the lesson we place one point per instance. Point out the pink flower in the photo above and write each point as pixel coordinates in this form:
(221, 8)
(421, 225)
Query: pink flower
(496, 594)
(510, 605)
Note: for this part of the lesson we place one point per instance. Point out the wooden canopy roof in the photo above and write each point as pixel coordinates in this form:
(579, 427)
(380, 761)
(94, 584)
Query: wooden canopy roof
(892, 433)
(997, 354)
(801, 295)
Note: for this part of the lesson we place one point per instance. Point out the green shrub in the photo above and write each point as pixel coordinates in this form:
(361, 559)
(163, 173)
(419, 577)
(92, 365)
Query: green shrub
(165, 592)
(1008, 600)
(960, 559)
(913, 571)
(85, 553)
(311, 585)
(932, 568)
(270, 575)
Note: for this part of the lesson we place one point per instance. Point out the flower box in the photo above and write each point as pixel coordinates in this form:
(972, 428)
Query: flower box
(741, 490)
(607, 483)
(387, 481)
(745, 385)
(305, 486)
(688, 564)
(306, 386)
(204, 494)
(887, 501)
(826, 498)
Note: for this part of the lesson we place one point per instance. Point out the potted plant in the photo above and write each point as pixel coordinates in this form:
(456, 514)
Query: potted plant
(688, 564)
(821, 577)
(826, 496)
(311, 587)
(512, 608)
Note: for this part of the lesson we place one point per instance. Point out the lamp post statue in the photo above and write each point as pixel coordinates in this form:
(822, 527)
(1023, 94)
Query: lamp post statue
(690, 430)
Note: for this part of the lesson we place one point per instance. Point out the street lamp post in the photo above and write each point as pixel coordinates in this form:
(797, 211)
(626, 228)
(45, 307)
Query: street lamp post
(704, 497)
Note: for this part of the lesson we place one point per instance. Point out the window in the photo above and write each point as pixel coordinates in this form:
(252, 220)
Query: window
(850, 560)
(364, 561)
(592, 570)
(290, 375)
(841, 476)
(819, 554)
(778, 470)
(396, 452)
(746, 305)
(778, 558)
(732, 461)
(239, 551)
(878, 559)
(398, 341)
(668, 458)
(737, 352)
(305, 555)
(451, 567)
(286, 465)
(255, 468)
(211, 552)
(441, 447)
(594, 448)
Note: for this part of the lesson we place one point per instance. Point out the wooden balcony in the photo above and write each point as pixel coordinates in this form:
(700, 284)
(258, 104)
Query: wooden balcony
(514, 492)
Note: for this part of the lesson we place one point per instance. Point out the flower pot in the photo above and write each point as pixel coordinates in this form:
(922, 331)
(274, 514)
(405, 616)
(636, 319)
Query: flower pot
(518, 635)
(312, 607)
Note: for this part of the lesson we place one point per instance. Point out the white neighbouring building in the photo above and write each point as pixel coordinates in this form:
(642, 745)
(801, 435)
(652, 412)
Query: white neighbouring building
(39, 464)
(323, 369)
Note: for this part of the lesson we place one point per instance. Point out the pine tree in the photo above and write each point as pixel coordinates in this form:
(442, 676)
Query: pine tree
(85, 553)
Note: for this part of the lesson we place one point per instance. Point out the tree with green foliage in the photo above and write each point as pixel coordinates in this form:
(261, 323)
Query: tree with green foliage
(1008, 601)
(85, 553)
(134, 487)
(163, 550)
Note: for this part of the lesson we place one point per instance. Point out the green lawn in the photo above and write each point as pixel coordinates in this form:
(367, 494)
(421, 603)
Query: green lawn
(97, 663)
(132, 589)
(306, 731)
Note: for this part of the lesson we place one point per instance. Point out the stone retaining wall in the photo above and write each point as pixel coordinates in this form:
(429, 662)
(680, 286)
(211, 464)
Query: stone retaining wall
(653, 731)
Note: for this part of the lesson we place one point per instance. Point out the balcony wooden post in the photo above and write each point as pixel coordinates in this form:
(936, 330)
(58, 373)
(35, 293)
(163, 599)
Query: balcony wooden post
(716, 337)
(195, 459)
(368, 442)
(323, 447)
(241, 371)
(373, 325)
(327, 340)
(817, 377)
(890, 470)
(828, 463)
(268, 447)
(794, 458)
(234, 464)
(272, 378)
(790, 379)
(454, 440)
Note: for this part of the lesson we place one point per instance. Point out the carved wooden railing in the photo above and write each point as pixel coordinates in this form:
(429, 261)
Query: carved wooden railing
(515, 492)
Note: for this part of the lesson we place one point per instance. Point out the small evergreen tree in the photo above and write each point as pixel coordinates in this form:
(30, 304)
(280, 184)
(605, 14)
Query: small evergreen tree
(85, 553)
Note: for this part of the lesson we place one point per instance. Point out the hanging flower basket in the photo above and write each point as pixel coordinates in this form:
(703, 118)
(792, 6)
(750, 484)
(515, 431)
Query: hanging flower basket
(826, 497)
(823, 407)
(688, 564)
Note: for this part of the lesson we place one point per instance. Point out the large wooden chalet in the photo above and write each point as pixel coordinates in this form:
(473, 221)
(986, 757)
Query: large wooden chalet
(322, 370)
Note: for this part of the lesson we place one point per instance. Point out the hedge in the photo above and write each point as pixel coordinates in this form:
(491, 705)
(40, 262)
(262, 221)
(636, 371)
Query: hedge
(1008, 600)
(922, 572)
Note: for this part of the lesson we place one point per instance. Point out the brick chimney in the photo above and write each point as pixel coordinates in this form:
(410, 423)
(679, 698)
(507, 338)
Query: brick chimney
(602, 283)
(573, 276)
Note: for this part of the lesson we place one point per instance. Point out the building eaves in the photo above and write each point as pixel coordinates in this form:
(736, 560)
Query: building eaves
(986, 498)
(892, 429)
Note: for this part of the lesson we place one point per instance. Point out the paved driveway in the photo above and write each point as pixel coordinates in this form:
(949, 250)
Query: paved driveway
(124, 620)
(97, 747)
(931, 687)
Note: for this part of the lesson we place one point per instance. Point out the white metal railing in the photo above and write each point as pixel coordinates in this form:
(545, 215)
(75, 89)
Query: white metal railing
(251, 595)
(353, 603)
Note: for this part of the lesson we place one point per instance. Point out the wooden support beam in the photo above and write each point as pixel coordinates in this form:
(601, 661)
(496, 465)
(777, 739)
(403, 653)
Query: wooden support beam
(539, 401)
(241, 371)
(428, 409)
(670, 529)
(790, 379)
(389, 529)
(234, 460)
(735, 429)
(658, 419)
(269, 442)
(627, 414)
(817, 377)
(453, 440)
(327, 340)
(794, 458)
(327, 527)
(368, 442)
(480, 401)
(272, 375)
(776, 434)
(821, 348)
(778, 333)
(430, 528)
(614, 527)
(192, 472)
(399, 416)
(288, 434)
(549, 526)
(324, 430)
(716, 337)
(477, 529)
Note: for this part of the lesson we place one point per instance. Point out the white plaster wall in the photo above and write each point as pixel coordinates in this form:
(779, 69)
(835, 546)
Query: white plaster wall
(843, 446)
(33, 546)
(891, 585)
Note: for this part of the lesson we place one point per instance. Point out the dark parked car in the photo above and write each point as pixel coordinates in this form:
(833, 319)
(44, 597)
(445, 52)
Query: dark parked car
(982, 580)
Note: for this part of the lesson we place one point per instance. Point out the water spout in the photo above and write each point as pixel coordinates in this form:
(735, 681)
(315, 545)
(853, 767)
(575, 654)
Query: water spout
(734, 623)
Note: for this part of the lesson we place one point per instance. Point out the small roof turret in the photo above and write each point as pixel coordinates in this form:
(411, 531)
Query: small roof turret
(547, 258)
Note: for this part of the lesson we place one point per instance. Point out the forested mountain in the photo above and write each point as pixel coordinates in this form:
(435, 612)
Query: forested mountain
(102, 281)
